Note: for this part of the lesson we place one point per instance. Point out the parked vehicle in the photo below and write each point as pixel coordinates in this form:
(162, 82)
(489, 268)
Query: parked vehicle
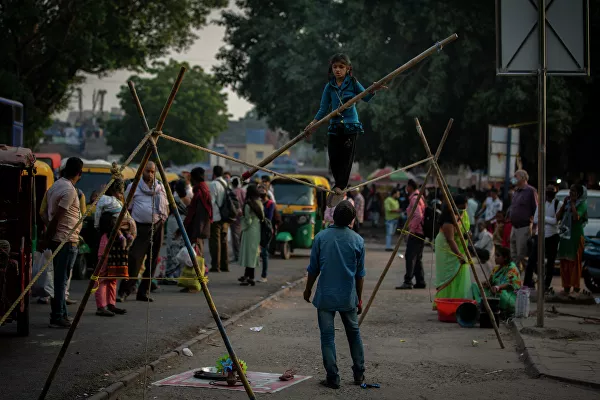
(302, 209)
(52, 159)
(17, 209)
(591, 264)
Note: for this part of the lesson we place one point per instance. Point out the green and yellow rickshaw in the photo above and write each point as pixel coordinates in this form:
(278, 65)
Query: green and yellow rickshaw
(302, 209)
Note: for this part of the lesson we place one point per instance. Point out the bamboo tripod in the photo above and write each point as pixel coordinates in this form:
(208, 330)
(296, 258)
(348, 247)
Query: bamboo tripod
(150, 149)
(435, 169)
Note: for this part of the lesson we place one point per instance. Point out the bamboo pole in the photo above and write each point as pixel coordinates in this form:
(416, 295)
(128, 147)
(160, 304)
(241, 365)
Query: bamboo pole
(436, 47)
(207, 295)
(191, 252)
(452, 205)
(195, 146)
(112, 238)
(410, 216)
(388, 174)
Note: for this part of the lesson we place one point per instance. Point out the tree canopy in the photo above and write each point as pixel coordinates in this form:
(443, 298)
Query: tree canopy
(199, 111)
(46, 43)
(277, 57)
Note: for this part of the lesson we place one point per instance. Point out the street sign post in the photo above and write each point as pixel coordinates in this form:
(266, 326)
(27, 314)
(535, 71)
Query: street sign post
(560, 48)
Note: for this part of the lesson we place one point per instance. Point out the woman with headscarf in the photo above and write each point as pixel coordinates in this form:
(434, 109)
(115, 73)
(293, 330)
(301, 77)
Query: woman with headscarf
(174, 238)
(573, 217)
(252, 216)
(453, 278)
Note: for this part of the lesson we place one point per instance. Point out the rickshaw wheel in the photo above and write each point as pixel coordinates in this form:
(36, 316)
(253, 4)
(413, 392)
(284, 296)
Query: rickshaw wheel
(285, 249)
(23, 319)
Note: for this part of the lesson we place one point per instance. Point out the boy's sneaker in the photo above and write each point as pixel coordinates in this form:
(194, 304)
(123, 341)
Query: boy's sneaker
(60, 324)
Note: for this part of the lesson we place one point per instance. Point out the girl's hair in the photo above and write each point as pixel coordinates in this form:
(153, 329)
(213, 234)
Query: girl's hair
(252, 194)
(578, 188)
(118, 186)
(339, 58)
(107, 223)
(181, 188)
(504, 253)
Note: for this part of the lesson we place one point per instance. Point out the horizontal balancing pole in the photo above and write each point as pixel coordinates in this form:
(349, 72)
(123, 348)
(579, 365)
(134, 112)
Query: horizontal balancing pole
(436, 47)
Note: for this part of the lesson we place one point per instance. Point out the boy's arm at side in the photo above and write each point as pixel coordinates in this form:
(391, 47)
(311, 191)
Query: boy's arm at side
(313, 270)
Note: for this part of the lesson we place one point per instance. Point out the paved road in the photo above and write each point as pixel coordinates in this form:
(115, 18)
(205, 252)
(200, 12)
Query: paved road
(103, 348)
(408, 352)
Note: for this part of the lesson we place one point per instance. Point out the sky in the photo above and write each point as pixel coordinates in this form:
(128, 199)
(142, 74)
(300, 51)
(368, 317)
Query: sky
(202, 53)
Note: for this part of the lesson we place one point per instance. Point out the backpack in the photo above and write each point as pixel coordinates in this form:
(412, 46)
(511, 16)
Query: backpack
(266, 232)
(231, 208)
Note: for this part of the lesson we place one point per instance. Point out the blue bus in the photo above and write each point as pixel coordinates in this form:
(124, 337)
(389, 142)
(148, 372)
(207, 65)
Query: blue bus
(15, 116)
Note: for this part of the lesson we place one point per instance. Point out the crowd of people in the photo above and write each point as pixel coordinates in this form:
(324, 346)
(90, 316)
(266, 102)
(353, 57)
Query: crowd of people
(208, 211)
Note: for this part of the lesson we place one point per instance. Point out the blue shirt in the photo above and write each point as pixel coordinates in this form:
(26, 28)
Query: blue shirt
(330, 100)
(338, 255)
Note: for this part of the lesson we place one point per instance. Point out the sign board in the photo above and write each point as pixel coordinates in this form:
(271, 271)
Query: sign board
(518, 39)
(498, 146)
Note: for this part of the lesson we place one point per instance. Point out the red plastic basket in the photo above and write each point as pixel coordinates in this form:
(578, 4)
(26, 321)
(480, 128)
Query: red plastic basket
(446, 308)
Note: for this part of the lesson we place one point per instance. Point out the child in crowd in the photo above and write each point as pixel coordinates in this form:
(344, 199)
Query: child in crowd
(116, 265)
(502, 231)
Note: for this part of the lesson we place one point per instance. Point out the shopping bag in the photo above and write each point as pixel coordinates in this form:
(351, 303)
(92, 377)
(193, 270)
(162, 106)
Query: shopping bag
(44, 286)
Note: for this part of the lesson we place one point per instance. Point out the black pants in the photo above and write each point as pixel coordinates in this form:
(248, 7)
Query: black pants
(551, 250)
(341, 149)
(356, 226)
(140, 248)
(217, 244)
(414, 260)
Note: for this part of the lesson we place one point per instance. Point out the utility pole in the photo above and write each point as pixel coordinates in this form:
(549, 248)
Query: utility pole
(542, 73)
(80, 94)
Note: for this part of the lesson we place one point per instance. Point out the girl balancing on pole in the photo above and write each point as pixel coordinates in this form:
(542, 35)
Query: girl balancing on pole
(343, 129)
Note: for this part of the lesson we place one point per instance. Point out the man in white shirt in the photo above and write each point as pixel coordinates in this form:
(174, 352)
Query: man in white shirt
(219, 256)
(552, 238)
(63, 215)
(145, 212)
(490, 208)
(484, 247)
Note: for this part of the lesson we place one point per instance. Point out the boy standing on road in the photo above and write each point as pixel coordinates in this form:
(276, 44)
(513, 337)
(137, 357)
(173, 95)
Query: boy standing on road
(338, 256)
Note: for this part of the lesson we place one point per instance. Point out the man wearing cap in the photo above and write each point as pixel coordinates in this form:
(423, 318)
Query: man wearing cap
(338, 257)
(552, 238)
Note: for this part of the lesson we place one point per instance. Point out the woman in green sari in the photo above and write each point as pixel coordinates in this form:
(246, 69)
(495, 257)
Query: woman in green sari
(504, 282)
(452, 275)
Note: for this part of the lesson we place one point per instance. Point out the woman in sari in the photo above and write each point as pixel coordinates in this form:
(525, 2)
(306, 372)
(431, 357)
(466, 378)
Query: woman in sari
(452, 275)
(573, 217)
(504, 282)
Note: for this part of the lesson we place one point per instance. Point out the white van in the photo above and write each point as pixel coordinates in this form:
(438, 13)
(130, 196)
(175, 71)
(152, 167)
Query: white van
(592, 228)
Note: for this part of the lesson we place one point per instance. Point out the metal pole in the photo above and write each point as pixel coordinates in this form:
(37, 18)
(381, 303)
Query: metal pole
(541, 162)
(507, 174)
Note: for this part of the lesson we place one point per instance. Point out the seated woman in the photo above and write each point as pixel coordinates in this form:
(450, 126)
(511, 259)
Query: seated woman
(504, 282)
(453, 279)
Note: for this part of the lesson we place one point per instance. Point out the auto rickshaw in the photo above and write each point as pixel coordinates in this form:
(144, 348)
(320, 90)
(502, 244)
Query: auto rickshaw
(302, 209)
(17, 209)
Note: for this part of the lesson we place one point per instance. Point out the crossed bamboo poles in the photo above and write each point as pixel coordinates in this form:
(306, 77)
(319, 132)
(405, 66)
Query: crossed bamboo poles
(435, 169)
(149, 140)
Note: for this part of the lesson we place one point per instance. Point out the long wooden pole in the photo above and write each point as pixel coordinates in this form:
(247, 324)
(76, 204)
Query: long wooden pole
(450, 203)
(192, 253)
(112, 238)
(410, 216)
(436, 47)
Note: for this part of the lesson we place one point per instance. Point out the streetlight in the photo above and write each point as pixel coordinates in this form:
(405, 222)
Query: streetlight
(559, 181)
